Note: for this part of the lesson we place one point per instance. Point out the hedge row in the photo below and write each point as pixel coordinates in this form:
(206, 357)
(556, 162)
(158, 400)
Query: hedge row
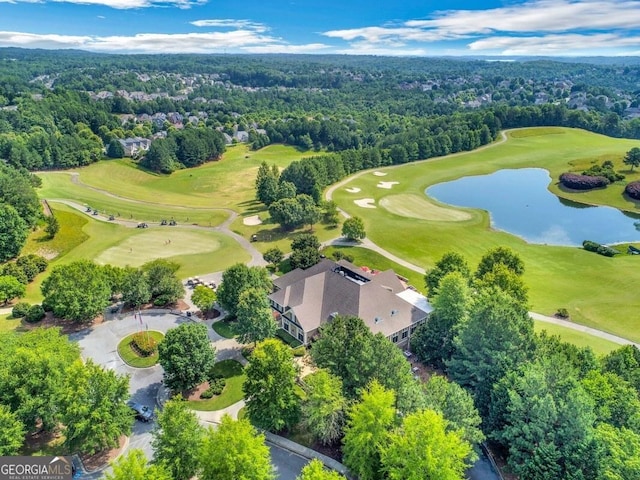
(633, 190)
(582, 182)
(600, 249)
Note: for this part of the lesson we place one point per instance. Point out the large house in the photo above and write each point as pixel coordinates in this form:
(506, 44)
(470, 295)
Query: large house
(134, 146)
(304, 300)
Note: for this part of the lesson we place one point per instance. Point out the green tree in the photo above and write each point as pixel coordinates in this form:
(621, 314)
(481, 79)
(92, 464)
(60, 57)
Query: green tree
(353, 229)
(616, 402)
(314, 470)
(305, 258)
(269, 389)
(238, 278)
(135, 288)
(456, 405)
(323, 407)
(367, 432)
(304, 241)
(433, 340)
(497, 337)
(625, 362)
(330, 212)
(425, 449)
(617, 452)
(115, 149)
(12, 432)
(95, 413)
(177, 439)
(133, 466)
(310, 211)
(77, 291)
(186, 355)
(10, 288)
(33, 375)
(234, 450)
(547, 422)
(503, 255)
(255, 320)
(450, 262)
(267, 184)
(273, 256)
(502, 277)
(345, 349)
(632, 158)
(203, 297)
(52, 226)
(287, 212)
(165, 286)
(13, 232)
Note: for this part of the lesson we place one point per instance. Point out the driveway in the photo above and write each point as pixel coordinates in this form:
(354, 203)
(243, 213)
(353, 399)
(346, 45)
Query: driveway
(100, 344)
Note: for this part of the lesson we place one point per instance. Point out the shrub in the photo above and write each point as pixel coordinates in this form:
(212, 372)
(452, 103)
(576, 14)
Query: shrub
(144, 344)
(162, 300)
(600, 249)
(633, 190)
(20, 310)
(46, 306)
(35, 314)
(215, 388)
(582, 182)
(247, 351)
(299, 351)
(562, 313)
(605, 170)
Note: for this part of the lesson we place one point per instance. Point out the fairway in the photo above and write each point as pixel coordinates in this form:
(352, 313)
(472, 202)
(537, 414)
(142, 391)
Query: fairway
(415, 206)
(597, 291)
(158, 243)
(579, 339)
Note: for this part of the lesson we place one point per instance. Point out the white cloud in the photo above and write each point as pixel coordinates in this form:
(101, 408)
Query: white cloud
(577, 44)
(231, 23)
(209, 42)
(122, 4)
(572, 21)
(537, 16)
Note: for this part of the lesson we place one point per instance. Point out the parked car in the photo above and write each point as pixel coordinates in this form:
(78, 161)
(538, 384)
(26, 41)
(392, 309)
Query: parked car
(143, 413)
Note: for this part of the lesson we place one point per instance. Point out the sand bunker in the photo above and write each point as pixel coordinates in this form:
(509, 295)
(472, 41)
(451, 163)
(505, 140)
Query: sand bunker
(415, 206)
(353, 190)
(387, 185)
(253, 220)
(379, 174)
(365, 203)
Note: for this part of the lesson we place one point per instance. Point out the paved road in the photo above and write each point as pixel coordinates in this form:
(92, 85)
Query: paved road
(100, 343)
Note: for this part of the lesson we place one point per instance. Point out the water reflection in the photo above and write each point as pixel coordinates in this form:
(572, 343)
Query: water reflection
(519, 203)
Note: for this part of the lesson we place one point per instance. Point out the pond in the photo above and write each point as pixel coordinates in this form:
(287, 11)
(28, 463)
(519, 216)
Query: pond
(519, 203)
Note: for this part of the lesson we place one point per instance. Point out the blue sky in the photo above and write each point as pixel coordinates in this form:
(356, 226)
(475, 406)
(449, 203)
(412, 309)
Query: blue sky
(375, 27)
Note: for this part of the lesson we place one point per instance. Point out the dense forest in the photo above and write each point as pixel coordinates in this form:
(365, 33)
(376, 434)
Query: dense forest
(63, 109)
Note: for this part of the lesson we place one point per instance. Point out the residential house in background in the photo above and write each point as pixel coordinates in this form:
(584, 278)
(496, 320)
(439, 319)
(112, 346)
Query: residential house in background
(134, 146)
(304, 300)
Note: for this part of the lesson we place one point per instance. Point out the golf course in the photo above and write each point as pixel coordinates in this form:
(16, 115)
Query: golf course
(597, 291)
(214, 206)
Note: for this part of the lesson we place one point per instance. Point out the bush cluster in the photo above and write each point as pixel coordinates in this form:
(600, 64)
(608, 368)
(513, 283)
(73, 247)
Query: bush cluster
(633, 190)
(145, 345)
(582, 182)
(562, 313)
(20, 310)
(299, 351)
(605, 170)
(25, 268)
(35, 314)
(340, 255)
(215, 388)
(600, 249)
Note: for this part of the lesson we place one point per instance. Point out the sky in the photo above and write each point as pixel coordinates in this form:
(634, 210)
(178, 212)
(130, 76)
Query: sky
(353, 27)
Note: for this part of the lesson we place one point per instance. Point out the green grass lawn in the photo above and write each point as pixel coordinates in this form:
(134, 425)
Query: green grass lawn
(8, 323)
(58, 186)
(224, 328)
(595, 290)
(131, 357)
(232, 393)
(580, 339)
(224, 183)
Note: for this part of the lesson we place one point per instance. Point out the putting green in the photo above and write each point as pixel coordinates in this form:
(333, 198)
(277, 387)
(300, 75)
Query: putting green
(158, 243)
(415, 206)
(597, 291)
